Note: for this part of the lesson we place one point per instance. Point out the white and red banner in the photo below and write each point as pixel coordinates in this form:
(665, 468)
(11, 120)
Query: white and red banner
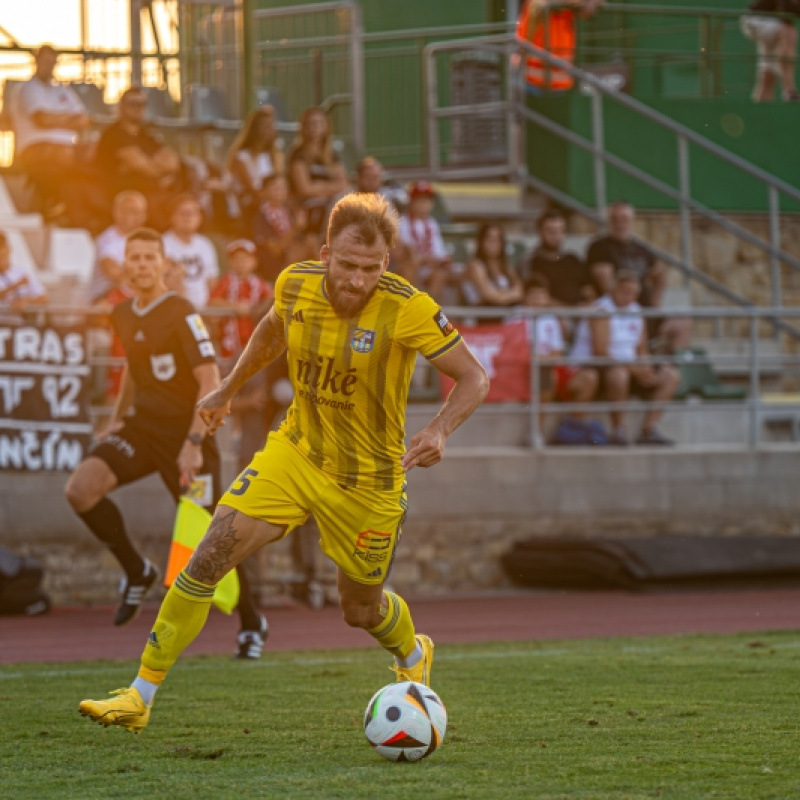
(504, 352)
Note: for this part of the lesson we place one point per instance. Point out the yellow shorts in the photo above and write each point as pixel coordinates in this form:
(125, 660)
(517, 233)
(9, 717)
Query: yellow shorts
(359, 528)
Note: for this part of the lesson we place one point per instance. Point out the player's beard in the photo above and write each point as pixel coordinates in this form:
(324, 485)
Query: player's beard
(343, 305)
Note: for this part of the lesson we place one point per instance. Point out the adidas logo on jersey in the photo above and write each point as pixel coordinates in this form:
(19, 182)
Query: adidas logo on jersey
(376, 573)
(139, 337)
(297, 316)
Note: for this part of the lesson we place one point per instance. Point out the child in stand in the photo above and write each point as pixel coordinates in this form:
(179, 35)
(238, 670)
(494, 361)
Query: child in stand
(421, 256)
(549, 338)
(277, 229)
(249, 297)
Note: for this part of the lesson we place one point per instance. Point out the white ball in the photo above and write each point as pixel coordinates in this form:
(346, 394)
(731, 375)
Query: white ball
(405, 721)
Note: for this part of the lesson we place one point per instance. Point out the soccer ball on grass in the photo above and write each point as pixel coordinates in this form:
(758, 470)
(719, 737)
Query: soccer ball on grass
(405, 721)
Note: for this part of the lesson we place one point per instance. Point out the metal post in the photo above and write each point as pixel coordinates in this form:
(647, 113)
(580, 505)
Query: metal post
(513, 123)
(775, 246)
(433, 120)
(685, 188)
(755, 401)
(537, 439)
(248, 68)
(136, 42)
(357, 79)
(598, 140)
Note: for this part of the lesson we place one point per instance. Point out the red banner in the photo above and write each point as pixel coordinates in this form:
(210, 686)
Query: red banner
(505, 354)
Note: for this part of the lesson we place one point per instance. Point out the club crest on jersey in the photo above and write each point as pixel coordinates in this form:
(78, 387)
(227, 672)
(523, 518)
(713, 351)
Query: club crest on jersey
(163, 366)
(363, 340)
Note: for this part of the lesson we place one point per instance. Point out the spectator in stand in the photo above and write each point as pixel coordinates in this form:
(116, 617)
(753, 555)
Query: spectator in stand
(558, 38)
(617, 251)
(565, 273)
(47, 120)
(421, 256)
(549, 339)
(316, 176)
(370, 179)
(253, 157)
(192, 250)
(131, 155)
(278, 230)
(241, 291)
(776, 40)
(622, 338)
(18, 288)
(488, 274)
(129, 212)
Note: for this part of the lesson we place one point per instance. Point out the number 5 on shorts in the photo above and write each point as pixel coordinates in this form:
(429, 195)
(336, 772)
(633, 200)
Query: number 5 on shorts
(242, 483)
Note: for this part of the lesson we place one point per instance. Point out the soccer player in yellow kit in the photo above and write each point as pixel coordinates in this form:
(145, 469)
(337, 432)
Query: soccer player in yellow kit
(352, 331)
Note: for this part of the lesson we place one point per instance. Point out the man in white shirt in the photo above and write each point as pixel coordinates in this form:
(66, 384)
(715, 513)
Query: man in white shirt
(193, 251)
(129, 212)
(18, 288)
(47, 119)
(623, 339)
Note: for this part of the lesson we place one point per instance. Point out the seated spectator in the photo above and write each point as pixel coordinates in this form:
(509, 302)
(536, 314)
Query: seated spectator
(192, 250)
(249, 298)
(565, 272)
(370, 180)
(617, 251)
(278, 230)
(549, 339)
(776, 41)
(252, 158)
(623, 339)
(131, 155)
(242, 292)
(18, 288)
(47, 120)
(316, 176)
(488, 274)
(129, 212)
(421, 256)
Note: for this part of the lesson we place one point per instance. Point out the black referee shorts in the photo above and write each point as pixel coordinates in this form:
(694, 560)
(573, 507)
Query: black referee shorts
(144, 446)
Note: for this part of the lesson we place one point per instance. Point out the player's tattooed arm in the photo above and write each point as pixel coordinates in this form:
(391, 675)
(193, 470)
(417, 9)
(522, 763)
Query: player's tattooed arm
(215, 554)
(265, 345)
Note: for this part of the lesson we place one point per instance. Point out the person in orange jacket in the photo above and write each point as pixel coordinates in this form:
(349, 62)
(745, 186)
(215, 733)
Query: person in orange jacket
(550, 25)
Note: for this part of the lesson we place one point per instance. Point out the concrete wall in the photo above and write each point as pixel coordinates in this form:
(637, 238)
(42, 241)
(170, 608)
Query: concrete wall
(463, 515)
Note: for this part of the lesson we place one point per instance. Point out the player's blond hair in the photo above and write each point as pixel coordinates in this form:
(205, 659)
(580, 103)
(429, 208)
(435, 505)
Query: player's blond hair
(369, 213)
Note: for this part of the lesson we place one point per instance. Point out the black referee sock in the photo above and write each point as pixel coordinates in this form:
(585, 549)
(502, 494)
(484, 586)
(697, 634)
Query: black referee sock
(248, 611)
(105, 522)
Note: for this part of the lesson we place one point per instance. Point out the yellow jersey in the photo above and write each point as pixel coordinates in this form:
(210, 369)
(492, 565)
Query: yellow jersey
(351, 376)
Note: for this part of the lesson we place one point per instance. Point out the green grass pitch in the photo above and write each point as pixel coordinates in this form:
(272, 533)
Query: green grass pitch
(672, 717)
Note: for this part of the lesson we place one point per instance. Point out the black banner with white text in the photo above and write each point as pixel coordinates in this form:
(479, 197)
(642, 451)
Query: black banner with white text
(44, 398)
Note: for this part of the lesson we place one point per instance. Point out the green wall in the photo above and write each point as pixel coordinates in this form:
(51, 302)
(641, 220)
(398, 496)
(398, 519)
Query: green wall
(764, 135)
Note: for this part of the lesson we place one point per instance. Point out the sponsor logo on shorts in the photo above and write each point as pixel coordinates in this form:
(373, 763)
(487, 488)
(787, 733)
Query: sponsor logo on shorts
(372, 546)
(120, 444)
(362, 340)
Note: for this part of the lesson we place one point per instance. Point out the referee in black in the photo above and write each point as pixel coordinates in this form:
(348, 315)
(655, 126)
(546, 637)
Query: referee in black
(170, 365)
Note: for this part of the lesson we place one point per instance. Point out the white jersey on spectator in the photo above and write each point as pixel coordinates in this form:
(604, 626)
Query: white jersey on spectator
(26, 286)
(549, 338)
(199, 260)
(109, 244)
(35, 96)
(624, 337)
(258, 168)
(423, 237)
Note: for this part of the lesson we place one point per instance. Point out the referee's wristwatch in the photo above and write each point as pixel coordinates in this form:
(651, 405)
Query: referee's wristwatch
(195, 438)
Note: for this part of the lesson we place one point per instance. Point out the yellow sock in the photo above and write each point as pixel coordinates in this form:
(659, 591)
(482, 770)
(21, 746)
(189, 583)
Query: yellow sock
(180, 618)
(396, 632)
